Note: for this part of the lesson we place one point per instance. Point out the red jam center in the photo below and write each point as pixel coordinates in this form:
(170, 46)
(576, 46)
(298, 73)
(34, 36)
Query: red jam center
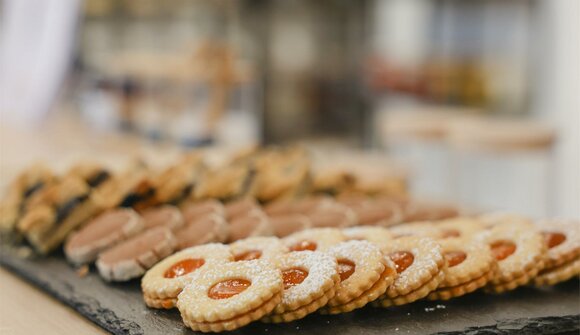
(293, 277)
(303, 245)
(553, 239)
(248, 255)
(402, 260)
(454, 258)
(184, 267)
(228, 288)
(345, 269)
(502, 249)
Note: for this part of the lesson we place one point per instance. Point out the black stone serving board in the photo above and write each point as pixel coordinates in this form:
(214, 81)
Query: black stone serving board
(119, 308)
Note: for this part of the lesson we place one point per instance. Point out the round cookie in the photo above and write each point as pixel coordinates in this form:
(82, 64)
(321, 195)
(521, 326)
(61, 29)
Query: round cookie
(562, 238)
(254, 223)
(166, 215)
(365, 274)
(162, 283)
(377, 235)
(519, 250)
(285, 225)
(206, 229)
(470, 265)
(309, 279)
(319, 239)
(196, 210)
(230, 295)
(332, 216)
(260, 247)
(420, 266)
(462, 227)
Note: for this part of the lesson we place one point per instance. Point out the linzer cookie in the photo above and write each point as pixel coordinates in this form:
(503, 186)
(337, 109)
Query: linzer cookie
(267, 248)
(163, 282)
(365, 274)
(102, 232)
(377, 235)
(319, 239)
(310, 278)
(284, 225)
(462, 227)
(519, 249)
(205, 229)
(228, 296)
(419, 229)
(131, 258)
(167, 216)
(562, 238)
(470, 265)
(196, 210)
(420, 266)
(255, 223)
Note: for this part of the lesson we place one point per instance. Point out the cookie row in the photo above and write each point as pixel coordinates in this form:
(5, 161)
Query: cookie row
(45, 207)
(220, 287)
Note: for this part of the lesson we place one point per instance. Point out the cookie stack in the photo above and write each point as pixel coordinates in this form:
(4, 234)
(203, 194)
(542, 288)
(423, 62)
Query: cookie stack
(337, 270)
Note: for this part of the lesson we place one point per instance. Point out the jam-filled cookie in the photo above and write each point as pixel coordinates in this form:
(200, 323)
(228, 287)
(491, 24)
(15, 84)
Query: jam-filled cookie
(562, 238)
(162, 283)
(319, 239)
(377, 235)
(461, 227)
(267, 248)
(420, 266)
(107, 229)
(205, 229)
(310, 279)
(470, 265)
(519, 250)
(228, 296)
(365, 274)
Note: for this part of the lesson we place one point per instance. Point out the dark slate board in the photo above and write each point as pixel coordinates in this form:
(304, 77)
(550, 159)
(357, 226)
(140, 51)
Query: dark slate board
(119, 308)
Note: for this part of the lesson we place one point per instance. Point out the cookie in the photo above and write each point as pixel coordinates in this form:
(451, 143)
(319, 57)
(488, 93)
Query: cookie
(562, 238)
(333, 216)
(373, 212)
(205, 229)
(319, 239)
(416, 210)
(300, 206)
(377, 235)
(365, 274)
(519, 249)
(255, 223)
(227, 183)
(240, 208)
(131, 258)
(266, 248)
(176, 184)
(228, 296)
(420, 265)
(284, 225)
(162, 283)
(461, 227)
(470, 265)
(167, 215)
(107, 229)
(195, 210)
(282, 175)
(310, 278)
(134, 189)
(92, 173)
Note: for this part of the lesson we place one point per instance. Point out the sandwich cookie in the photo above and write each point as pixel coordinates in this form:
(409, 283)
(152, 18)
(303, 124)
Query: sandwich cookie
(562, 238)
(107, 229)
(420, 266)
(285, 225)
(373, 212)
(162, 283)
(196, 210)
(320, 239)
(131, 258)
(365, 274)
(519, 250)
(301, 206)
(310, 279)
(261, 247)
(470, 265)
(335, 216)
(376, 235)
(228, 296)
(240, 208)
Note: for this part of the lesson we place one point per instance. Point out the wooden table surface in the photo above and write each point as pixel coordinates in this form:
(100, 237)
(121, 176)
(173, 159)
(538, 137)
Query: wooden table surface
(26, 310)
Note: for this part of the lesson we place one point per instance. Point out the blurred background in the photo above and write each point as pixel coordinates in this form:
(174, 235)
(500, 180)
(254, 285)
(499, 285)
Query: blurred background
(479, 100)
